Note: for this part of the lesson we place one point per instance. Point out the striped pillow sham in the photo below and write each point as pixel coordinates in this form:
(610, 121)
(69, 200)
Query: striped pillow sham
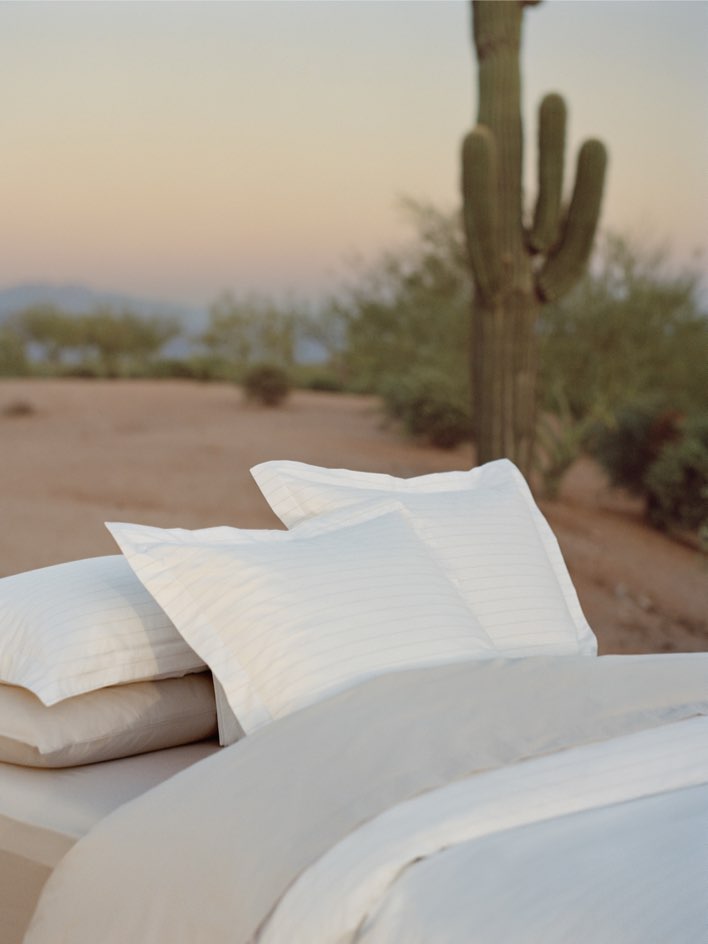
(76, 627)
(484, 528)
(286, 618)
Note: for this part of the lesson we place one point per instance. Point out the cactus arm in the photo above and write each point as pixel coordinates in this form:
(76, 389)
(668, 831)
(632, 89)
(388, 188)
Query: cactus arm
(509, 283)
(551, 150)
(566, 263)
(481, 212)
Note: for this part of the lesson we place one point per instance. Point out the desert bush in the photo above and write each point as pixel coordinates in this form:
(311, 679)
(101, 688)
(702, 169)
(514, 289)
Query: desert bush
(268, 384)
(48, 331)
(19, 408)
(189, 368)
(325, 383)
(676, 482)
(635, 328)
(429, 405)
(85, 370)
(703, 530)
(632, 441)
(561, 438)
(207, 368)
(103, 342)
(409, 311)
(171, 368)
(13, 360)
(123, 343)
(406, 327)
(250, 331)
(317, 377)
(663, 458)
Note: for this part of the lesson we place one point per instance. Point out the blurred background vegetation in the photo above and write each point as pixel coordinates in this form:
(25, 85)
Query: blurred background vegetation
(623, 358)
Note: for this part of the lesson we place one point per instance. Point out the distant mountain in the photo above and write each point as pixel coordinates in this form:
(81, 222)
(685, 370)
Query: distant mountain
(79, 299)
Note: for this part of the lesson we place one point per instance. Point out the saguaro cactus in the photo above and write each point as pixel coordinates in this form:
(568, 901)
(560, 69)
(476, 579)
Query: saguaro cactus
(517, 268)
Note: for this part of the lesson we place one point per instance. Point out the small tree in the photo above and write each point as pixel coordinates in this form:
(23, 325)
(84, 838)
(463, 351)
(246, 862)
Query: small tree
(634, 327)
(252, 331)
(406, 313)
(124, 340)
(13, 360)
(52, 332)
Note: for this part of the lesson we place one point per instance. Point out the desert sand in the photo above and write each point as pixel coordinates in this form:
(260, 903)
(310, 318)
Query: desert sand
(177, 454)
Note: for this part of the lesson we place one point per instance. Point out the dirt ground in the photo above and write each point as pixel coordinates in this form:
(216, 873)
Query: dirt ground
(177, 454)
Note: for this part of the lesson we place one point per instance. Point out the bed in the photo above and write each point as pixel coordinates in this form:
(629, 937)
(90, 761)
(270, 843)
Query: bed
(44, 812)
(523, 801)
(417, 739)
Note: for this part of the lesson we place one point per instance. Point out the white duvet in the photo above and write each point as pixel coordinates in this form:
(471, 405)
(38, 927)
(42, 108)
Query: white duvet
(592, 844)
(535, 800)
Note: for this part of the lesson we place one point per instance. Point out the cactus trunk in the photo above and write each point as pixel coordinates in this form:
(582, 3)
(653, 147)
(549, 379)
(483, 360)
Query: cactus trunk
(504, 371)
(508, 294)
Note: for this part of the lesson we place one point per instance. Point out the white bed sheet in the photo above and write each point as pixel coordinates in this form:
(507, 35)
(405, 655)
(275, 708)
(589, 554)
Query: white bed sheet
(44, 812)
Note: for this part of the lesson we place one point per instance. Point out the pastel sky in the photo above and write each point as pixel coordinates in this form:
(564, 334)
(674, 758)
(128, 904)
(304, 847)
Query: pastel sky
(180, 149)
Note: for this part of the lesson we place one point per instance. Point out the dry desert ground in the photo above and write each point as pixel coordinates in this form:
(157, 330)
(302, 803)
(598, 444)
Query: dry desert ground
(177, 454)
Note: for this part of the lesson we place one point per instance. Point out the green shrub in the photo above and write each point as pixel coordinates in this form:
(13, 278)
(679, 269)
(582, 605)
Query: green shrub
(317, 377)
(84, 370)
(324, 382)
(190, 368)
(635, 328)
(627, 446)
(430, 406)
(171, 368)
(677, 481)
(13, 360)
(661, 457)
(267, 384)
(206, 367)
(703, 530)
(560, 439)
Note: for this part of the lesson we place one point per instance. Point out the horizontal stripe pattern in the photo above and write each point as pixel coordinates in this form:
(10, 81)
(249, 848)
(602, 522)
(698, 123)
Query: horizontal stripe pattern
(286, 618)
(83, 625)
(483, 527)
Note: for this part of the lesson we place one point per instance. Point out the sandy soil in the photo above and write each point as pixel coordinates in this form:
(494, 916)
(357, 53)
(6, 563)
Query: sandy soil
(177, 454)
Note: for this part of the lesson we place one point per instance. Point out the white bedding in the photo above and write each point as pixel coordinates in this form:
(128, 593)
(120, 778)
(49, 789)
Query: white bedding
(476, 803)
(619, 874)
(44, 812)
(633, 807)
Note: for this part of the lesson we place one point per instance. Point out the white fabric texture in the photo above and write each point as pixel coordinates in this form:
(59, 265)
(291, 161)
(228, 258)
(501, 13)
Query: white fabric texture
(631, 873)
(286, 618)
(44, 812)
(208, 855)
(107, 723)
(484, 528)
(334, 899)
(76, 627)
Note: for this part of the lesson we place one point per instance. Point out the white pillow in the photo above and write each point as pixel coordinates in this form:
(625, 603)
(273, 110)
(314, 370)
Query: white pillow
(286, 618)
(118, 721)
(485, 529)
(76, 627)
